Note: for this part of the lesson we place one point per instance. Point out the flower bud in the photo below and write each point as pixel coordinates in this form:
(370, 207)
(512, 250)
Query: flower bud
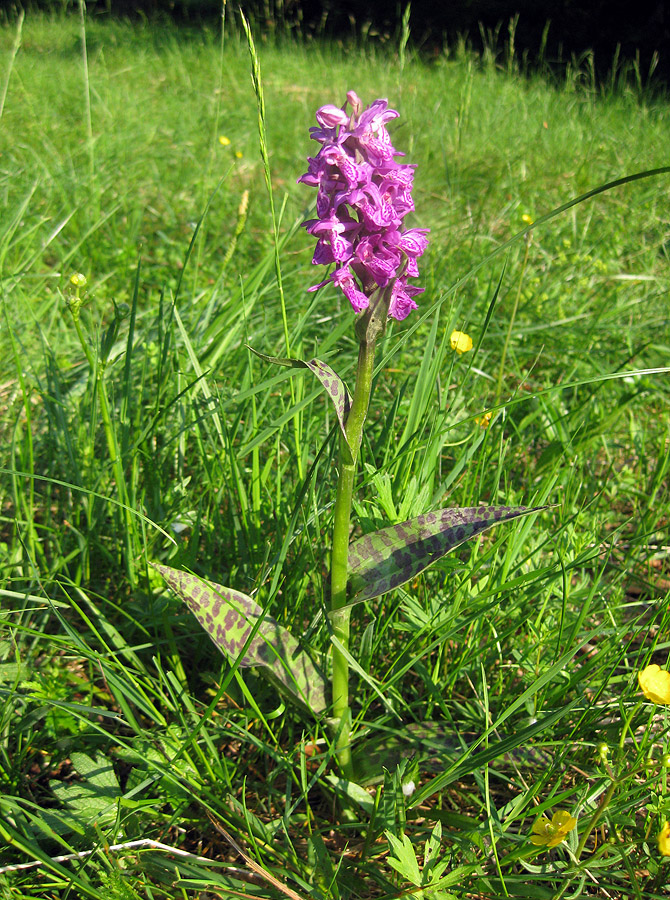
(408, 788)
(330, 115)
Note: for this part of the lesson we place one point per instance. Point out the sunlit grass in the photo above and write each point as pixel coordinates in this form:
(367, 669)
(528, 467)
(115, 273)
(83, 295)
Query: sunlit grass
(505, 667)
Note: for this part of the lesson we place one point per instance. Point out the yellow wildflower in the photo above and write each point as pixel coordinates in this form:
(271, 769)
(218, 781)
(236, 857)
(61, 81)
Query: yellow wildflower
(552, 833)
(664, 839)
(460, 342)
(78, 280)
(484, 420)
(224, 141)
(239, 154)
(655, 684)
(526, 219)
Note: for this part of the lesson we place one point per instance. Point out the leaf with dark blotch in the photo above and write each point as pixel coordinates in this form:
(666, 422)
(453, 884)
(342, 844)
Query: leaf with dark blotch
(385, 559)
(331, 381)
(230, 616)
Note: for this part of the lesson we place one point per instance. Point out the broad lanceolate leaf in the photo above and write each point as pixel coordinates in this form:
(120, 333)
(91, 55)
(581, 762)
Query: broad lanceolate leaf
(95, 797)
(331, 381)
(385, 559)
(229, 617)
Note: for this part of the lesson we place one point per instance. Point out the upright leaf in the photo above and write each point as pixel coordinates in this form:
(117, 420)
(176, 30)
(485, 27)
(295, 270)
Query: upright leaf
(237, 623)
(331, 381)
(385, 559)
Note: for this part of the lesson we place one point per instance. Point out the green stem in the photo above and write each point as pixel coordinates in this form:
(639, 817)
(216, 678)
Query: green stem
(119, 476)
(340, 614)
(602, 806)
(604, 803)
(87, 92)
(12, 57)
(508, 336)
(74, 309)
(97, 370)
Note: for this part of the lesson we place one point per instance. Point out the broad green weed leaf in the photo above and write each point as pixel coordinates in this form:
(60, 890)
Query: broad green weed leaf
(385, 559)
(331, 381)
(404, 858)
(354, 791)
(230, 617)
(95, 797)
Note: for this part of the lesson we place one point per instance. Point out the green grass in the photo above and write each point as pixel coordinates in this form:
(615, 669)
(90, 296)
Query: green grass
(503, 667)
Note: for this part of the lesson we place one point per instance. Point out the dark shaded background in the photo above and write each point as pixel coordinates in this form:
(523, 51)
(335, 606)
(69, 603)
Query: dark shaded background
(621, 30)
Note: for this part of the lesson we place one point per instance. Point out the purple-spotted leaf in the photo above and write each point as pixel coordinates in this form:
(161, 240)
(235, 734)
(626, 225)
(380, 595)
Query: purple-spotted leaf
(385, 559)
(229, 617)
(331, 381)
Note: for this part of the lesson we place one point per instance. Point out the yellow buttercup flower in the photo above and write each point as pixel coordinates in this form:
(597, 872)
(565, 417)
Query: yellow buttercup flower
(655, 684)
(460, 342)
(552, 833)
(664, 839)
(224, 141)
(526, 219)
(484, 420)
(78, 280)
(239, 154)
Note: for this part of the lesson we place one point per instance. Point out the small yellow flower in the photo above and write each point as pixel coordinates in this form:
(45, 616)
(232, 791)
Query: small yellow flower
(224, 141)
(551, 834)
(655, 684)
(664, 839)
(460, 342)
(526, 219)
(78, 280)
(484, 420)
(239, 154)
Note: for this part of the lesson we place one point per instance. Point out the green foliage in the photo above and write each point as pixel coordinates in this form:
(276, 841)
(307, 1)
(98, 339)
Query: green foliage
(330, 380)
(241, 630)
(93, 799)
(387, 559)
(501, 669)
(431, 875)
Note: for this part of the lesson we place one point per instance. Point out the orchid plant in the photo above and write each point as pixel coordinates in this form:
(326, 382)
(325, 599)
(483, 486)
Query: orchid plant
(363, 197)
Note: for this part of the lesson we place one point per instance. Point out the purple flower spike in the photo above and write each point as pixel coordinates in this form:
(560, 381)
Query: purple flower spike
(363, 196)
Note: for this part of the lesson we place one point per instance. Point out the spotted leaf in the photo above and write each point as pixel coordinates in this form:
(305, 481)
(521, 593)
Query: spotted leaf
(385, 559)
(230, 617)
(331, 381)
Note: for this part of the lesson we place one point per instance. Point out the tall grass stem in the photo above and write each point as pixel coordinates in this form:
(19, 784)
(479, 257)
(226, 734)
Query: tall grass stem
(12, 56)
(257, 82)
(97, 369)
(87, 90)
(512, 320)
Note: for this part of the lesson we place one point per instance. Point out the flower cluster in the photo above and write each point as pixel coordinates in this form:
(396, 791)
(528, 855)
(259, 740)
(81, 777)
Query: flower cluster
(363, 196)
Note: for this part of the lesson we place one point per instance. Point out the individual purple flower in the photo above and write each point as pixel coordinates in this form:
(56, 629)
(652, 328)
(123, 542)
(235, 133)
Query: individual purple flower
(363, 196)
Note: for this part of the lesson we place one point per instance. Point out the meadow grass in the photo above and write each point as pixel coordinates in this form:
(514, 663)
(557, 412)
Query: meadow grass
(502, 681)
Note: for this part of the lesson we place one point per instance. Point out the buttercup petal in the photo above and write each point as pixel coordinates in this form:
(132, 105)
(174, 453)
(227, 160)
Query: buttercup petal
(655, 684)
